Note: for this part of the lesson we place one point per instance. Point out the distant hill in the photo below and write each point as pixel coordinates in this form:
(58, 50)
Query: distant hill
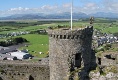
(65, 15)
(105, 15)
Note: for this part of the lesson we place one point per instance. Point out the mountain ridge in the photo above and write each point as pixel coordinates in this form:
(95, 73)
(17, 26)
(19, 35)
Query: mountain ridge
(65, 15)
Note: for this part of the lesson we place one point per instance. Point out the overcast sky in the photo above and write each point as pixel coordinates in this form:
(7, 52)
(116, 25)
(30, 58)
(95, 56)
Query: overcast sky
(9, 7)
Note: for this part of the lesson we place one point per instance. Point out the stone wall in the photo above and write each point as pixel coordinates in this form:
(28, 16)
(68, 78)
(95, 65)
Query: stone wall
(64, 47)
(23, 70)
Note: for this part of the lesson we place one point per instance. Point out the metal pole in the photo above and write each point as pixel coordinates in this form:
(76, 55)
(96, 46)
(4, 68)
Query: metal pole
(71, 14)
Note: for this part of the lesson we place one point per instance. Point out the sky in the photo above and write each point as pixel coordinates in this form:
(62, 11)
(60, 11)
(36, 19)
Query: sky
(10, 7)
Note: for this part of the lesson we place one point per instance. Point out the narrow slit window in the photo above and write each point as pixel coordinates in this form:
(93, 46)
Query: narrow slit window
(78, 60)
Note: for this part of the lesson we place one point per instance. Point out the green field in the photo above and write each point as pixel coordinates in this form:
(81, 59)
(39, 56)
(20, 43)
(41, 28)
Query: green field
(38, 43)
(29, 28)
(108, 27)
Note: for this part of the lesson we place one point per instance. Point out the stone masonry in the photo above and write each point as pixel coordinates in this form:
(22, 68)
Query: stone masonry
(23, 70)
(69, 49)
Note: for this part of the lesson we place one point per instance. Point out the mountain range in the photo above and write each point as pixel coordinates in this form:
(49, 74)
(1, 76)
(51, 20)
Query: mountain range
(65, 15)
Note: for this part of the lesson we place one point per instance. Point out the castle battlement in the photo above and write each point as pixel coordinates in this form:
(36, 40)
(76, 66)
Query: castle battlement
(69, 49)
(71, 34)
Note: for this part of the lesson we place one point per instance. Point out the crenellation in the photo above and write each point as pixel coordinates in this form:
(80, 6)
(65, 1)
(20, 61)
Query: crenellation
(65, 36)
(69, 34)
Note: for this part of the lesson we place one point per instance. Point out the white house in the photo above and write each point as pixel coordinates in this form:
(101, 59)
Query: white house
(7, 57)
(20, 55)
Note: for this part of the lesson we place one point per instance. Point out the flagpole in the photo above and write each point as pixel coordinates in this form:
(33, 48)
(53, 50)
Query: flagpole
(71, 14)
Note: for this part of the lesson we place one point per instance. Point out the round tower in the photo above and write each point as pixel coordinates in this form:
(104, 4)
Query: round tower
(69, 49)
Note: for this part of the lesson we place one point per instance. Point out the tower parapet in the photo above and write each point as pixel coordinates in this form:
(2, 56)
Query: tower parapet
(70, 34)
(69, 49)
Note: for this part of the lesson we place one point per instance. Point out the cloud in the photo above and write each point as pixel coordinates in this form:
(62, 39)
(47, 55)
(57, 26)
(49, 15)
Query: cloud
(105, 6)
(67, 5)
(16, 9)
(86, 7)
(48, 7)
(110, 6)
(90, 6)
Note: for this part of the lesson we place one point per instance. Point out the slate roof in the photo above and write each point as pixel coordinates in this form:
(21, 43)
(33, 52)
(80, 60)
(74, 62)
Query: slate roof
(7, 50)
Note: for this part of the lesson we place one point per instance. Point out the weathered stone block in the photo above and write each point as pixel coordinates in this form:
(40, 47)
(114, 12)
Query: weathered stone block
(116, 59)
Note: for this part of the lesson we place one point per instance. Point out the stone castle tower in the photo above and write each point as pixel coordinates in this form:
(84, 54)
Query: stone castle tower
(68, 50)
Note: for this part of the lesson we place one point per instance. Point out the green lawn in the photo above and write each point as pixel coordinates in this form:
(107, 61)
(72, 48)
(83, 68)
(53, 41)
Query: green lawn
(38, 43)
(111, 30)
(107, 27)
(29, 28)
